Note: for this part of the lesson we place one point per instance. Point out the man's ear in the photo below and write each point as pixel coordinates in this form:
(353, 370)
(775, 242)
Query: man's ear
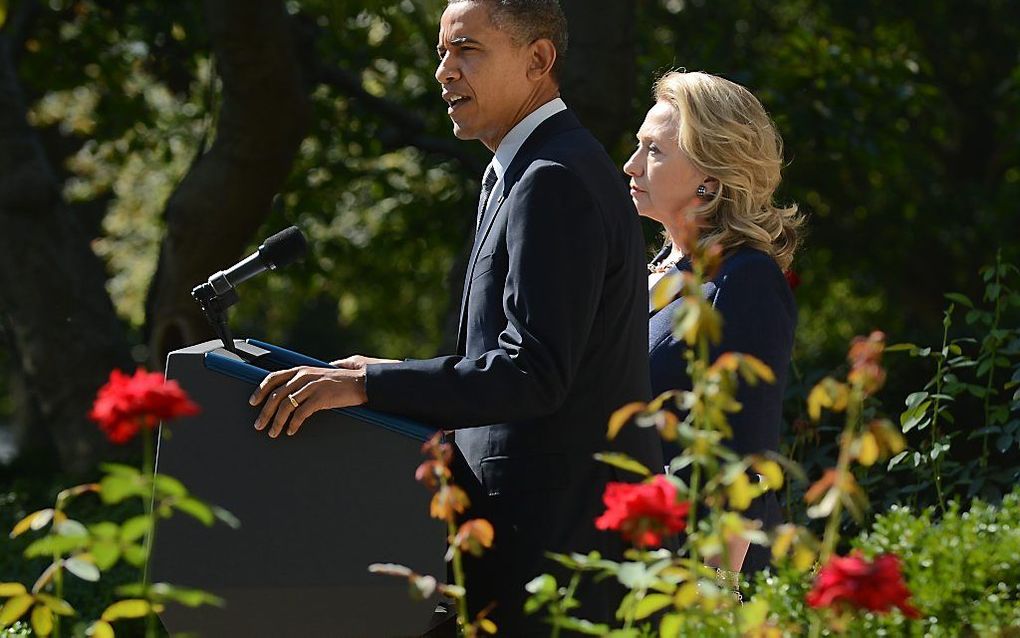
(542, 57)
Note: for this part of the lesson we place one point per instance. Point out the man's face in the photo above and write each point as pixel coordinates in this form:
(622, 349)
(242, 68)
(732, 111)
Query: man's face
(484, 76)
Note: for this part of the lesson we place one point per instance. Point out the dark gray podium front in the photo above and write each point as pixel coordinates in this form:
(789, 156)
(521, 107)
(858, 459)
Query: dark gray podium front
(315, 509)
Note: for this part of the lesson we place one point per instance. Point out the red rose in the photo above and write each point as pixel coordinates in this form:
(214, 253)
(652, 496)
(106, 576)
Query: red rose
(126, 404)
(644, 512)
(792, 278)
(855, 582)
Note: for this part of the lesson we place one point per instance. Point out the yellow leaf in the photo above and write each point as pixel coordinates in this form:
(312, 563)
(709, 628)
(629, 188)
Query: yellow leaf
(867, 449)
(783, 540)
(803, 558)
(35, 520)
(686, 595)
(487, 626)
(740, 493)
(15, 608)
(8, 590)
(621, 416)
(758, 368)
(666, 291)
(42, 620)
(58, 606)
(131, 608)
(100, 629)
(771, 471)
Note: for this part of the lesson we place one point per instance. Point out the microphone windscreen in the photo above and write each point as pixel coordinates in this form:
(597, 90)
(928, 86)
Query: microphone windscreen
(284, 247)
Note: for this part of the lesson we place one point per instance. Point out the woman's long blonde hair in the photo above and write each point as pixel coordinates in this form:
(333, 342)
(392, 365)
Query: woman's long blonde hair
(726, 134)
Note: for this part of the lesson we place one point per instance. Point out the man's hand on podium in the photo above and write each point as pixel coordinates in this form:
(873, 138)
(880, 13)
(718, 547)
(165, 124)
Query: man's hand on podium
(358, 362)
(296, 394)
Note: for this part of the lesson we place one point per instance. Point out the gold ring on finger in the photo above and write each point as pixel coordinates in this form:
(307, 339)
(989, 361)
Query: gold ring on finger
(293, 401)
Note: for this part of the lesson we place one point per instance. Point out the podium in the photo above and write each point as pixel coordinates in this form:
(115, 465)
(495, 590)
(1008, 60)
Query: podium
(315, 509)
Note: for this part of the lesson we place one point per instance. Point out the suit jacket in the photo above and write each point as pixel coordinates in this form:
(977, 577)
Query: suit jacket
(759, 317)
(552, 340)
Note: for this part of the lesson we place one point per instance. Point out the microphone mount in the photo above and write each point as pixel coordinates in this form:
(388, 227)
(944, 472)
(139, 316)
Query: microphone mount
(215, 305)
(219, 293)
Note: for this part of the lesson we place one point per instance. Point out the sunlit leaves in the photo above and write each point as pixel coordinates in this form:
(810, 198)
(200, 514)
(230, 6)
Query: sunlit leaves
(828, 393)
(624, 462)
(474, 536)
(131, 608)
(15, 608)
(621, 416)
(447, 501)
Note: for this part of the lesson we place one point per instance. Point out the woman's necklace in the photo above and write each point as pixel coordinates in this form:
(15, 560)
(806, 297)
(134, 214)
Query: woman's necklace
(671, 260)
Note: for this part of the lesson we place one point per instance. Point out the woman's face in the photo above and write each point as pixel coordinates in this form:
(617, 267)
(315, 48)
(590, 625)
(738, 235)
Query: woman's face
(663, 182)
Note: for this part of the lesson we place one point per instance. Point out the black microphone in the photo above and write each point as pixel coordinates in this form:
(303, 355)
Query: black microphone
(281, 249)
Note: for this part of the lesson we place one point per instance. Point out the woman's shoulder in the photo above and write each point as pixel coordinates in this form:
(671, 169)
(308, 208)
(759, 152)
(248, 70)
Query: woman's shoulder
(750, 273)
(745, 265)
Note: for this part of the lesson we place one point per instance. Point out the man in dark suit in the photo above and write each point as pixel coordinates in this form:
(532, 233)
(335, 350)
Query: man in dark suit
(553, 330)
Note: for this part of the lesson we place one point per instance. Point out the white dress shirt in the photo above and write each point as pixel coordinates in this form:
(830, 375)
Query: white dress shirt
(512, 142)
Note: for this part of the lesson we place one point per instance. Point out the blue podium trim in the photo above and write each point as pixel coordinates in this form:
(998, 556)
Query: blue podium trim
(254, 375)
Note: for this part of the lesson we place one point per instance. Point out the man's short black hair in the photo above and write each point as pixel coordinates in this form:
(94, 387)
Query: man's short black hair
(528, 20)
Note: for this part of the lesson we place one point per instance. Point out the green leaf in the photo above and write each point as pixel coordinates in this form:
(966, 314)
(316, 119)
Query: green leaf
(651, 604)
(187, 597)
(134, 554)
(114, 488)
(9, 590)
(585, 627)
(960, 299)
(197, 509)
(544, 585)
(105, 552)
(105, 530)
(622, 461)
(55, 545)
(135, 528)
(169, 486)
(15, 608)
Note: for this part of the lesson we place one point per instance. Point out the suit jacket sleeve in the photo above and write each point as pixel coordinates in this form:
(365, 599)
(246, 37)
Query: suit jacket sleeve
(556, 246)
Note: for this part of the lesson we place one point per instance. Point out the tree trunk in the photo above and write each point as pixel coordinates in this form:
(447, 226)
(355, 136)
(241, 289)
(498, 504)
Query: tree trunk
(61, 328)
(226, 196)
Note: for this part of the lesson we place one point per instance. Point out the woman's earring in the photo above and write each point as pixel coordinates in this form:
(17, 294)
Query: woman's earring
(703, 193)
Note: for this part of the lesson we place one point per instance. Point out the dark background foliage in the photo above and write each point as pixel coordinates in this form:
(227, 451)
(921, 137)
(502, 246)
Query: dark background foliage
(167, 139)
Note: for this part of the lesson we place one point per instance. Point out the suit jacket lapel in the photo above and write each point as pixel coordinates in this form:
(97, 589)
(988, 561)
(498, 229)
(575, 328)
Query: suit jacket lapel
(554, 125)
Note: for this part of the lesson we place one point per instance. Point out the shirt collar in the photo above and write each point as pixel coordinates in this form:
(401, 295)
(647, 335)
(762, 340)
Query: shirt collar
(512, 142)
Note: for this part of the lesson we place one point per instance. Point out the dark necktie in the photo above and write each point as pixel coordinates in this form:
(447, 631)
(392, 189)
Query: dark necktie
(483, 198)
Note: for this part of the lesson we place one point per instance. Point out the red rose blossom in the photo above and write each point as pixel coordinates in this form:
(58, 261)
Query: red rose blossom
(853, 581)
(643, 512)
(126, 404)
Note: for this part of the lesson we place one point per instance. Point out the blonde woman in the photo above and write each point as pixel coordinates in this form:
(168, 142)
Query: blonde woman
(708, 151)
